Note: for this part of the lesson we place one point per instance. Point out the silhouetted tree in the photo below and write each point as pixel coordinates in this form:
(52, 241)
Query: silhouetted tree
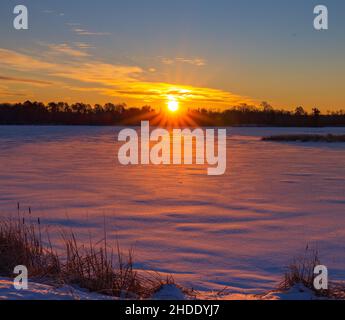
(300, 111)
(316, 112)
(35, 112)
(266, 107)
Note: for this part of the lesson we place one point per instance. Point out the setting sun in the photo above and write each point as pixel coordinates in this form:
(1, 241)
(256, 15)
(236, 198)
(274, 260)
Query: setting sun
(173, 105)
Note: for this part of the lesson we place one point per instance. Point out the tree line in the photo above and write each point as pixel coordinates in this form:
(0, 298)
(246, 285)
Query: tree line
(62, 113)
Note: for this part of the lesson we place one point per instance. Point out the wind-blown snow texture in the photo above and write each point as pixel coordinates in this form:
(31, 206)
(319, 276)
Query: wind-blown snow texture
(239, 230)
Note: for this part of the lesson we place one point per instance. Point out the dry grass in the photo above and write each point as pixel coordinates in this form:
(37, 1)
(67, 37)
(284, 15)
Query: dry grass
(21, 244)
(330, 138)
(106, 272)
(301, 271)
(96, 268)
(100, 269)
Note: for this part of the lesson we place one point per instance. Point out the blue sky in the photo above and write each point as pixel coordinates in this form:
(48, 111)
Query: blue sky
(237, 50)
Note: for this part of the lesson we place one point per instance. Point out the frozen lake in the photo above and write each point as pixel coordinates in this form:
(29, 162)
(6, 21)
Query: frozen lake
(238, 230)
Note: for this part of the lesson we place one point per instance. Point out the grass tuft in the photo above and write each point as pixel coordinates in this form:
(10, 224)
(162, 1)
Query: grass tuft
(95, 268)
(21, 244)
(301, 271)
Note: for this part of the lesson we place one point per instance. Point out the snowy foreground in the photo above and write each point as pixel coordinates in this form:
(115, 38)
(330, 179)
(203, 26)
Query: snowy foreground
(38, 291)
(237, 231)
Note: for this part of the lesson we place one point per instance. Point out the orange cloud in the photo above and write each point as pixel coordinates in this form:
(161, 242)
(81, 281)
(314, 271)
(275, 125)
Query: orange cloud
(122, 81)
(21, 62)
(156, 91)
(25, 80)
(6, 92)
(98, 72)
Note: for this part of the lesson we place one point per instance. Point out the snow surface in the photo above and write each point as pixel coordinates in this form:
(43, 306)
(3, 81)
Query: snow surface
(297, 292)
(237, 231)
(37, 291)
(169, 292)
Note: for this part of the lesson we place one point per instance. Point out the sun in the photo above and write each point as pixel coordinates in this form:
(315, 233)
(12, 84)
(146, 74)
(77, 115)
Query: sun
(173, 104)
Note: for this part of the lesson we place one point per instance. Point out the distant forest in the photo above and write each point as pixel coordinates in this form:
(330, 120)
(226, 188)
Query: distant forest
(62, 113)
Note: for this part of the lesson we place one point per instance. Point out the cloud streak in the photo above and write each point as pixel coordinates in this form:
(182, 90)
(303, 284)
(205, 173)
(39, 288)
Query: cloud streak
(24, 80)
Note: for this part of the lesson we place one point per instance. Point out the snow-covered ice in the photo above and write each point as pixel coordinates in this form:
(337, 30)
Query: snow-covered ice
(237, 231)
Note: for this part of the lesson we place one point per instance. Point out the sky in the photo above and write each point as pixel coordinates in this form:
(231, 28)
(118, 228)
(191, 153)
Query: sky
(203, 53)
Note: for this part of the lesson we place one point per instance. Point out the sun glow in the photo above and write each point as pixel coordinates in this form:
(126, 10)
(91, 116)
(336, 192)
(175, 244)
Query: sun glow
(173, 104)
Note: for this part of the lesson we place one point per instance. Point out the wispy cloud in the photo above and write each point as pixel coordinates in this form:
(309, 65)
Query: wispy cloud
(83, 45)
(199, 62)
(98, 72)
(66, 49)
(84, 32)
(47, 11)
(73, 24)
(196, 61)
